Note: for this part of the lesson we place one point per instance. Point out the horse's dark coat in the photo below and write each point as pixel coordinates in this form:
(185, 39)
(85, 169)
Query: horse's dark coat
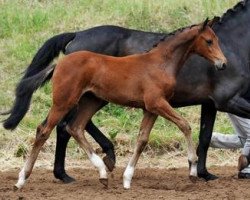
(197, 83)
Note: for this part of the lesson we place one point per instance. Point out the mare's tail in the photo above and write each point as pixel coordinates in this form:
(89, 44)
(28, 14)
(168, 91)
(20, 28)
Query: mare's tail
(38, 72)
(50, 50)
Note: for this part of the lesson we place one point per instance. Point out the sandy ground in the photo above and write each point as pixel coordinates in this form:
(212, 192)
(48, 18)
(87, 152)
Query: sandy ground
(148, 183)
(156, 177)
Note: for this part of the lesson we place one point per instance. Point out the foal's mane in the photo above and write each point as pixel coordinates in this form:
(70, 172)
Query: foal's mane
(179, 30)
(229, 13)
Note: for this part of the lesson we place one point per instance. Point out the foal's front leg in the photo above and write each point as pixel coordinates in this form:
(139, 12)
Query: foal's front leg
(88, 106)
(146, 126)
(161, 107)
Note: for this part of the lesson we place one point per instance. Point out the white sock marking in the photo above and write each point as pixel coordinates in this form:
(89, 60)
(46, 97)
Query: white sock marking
(127, 176)
(99, 164)
(193, 170)
(21, 179)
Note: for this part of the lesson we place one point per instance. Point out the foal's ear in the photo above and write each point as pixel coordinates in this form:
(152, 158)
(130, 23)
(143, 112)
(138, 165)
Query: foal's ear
(213, 21)
(204, 25)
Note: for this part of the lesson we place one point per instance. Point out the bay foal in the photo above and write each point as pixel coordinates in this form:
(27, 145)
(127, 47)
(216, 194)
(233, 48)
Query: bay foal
(144, 81)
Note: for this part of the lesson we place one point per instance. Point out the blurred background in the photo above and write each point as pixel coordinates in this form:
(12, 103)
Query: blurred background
(25, 25)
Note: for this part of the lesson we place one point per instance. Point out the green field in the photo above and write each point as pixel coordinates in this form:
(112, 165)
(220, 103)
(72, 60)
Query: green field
(25, 25)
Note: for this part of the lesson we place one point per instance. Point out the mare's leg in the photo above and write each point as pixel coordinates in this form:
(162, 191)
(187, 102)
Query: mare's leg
(236, 105)
(88, 106)
(62, 139)
(208, 113)
(146, 126)
(43, 132)
(161, 107)
(239, 104)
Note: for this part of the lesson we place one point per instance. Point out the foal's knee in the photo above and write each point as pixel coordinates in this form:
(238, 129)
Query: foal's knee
(185, 127)
(42, 134)
(74, 131)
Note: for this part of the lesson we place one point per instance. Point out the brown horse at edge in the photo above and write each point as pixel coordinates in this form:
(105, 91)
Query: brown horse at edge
(144, 81)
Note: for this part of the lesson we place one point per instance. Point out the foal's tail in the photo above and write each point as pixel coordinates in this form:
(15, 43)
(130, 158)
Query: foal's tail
(24, 92)
(37, 73)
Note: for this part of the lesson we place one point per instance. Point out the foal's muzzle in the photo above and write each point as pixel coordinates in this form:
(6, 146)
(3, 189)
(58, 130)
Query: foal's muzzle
(220, 65)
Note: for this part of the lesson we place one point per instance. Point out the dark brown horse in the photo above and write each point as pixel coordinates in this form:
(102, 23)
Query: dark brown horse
(144, 81)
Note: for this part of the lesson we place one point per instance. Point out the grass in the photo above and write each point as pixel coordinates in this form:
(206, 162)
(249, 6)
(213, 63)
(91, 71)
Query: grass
(25, 25)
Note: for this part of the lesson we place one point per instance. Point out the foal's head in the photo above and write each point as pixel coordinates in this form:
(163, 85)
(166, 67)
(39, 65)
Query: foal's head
(206, 44)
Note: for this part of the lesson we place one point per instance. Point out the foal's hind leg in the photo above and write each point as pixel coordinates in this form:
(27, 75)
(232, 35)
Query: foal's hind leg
(146, 126)
(163, 108)
(106, 145)
(88, 106)
(43, 132)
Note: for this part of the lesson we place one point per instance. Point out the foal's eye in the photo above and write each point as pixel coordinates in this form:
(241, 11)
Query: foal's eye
(209, 42)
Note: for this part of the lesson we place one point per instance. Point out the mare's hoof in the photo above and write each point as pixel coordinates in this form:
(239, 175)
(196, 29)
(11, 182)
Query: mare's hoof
(207, 176)
(110, 164)
(104, 181)
(65, 178)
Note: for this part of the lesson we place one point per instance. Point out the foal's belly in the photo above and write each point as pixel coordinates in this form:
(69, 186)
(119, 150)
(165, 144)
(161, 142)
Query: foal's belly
(120, 96)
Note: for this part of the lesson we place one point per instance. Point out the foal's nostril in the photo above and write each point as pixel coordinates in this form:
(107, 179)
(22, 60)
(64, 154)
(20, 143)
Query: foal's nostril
(224, 66)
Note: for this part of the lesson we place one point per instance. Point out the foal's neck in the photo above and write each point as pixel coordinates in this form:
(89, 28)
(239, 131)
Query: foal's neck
(176, 49)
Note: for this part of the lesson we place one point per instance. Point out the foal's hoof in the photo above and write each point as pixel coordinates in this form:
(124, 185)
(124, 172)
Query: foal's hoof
(104, 181)
(110, 164)
(15, 188)
(193, 178)
(243, 162)
(242, 175)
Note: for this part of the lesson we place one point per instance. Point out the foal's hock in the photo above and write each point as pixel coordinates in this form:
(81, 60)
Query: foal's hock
(144, 81)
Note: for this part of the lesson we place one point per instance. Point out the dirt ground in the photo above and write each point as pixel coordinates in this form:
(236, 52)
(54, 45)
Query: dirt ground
(149, 183)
